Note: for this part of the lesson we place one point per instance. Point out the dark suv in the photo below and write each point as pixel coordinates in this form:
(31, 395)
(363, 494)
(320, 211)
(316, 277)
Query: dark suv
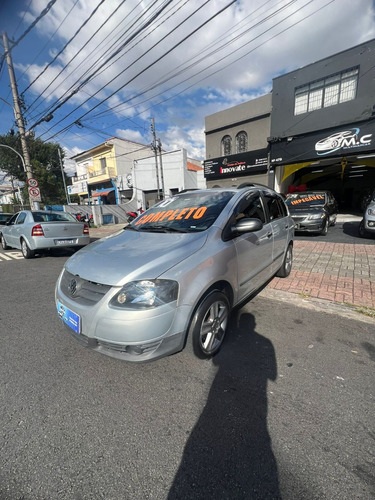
(312, 211)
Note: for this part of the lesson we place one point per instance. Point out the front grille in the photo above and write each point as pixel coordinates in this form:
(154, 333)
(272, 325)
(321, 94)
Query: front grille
(299, 218)
(82, 291)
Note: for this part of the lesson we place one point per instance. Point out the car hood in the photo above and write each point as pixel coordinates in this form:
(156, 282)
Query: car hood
(129, 255)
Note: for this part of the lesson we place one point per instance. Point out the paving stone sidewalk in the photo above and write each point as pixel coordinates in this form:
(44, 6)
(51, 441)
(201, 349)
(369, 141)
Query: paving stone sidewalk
(337, 272)
(340, 272)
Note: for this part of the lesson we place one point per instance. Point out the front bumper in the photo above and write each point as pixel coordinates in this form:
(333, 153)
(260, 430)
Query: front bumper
(369, 225)
(136, 336)
(309, 226)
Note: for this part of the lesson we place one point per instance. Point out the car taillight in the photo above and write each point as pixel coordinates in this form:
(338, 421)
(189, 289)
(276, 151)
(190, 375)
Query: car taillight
(85, 229)
(37, 230)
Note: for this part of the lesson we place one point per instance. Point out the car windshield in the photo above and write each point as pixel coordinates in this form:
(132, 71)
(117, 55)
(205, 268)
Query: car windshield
(53, 217)
(187, 212)
(296, 200)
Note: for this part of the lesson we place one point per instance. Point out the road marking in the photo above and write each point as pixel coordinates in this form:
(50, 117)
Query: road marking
(11, 256)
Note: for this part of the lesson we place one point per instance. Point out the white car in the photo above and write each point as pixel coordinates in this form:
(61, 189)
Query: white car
(34, 231)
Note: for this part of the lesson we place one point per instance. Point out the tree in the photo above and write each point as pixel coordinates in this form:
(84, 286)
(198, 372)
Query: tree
(45, 164)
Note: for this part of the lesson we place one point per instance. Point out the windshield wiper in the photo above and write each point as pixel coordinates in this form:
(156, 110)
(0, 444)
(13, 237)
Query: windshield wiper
(159, 228)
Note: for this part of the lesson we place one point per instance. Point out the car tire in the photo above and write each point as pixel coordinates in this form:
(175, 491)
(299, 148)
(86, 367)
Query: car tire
(26, 252)
(333, 223)
(361, 229)
(324, 231)
(286, 268)
(207, 330)
(4, 243)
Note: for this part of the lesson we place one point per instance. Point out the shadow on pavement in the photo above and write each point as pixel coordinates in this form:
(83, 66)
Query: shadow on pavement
(228, 454)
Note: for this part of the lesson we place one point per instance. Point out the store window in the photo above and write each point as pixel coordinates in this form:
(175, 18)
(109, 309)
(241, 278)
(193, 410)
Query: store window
(226, 145)
(335, 89)
(241, 142)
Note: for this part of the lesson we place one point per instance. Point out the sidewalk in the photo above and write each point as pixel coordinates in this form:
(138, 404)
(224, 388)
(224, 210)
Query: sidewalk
(343, 273)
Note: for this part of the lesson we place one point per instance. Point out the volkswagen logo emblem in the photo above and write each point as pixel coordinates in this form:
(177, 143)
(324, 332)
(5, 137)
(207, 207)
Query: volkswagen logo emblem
(72, 287)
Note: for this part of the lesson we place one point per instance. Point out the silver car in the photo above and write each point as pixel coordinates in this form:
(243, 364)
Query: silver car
(170, 278)
(34, 231)
(367, 224)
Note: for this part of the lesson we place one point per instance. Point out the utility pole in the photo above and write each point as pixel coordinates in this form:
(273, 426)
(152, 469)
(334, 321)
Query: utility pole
(63, 176)
(154, 147)
(19, 118)
(161, 169)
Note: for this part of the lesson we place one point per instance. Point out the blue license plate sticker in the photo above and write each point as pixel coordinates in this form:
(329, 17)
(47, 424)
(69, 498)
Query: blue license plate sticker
(69, 317)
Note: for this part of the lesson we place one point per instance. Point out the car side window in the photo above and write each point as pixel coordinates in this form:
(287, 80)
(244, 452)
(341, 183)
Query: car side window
(21, 218)
(274, 207)
(251, 208)
(12, 220)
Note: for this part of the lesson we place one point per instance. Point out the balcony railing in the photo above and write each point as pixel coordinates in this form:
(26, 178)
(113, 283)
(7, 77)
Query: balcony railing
(77, 178)
(108, 172)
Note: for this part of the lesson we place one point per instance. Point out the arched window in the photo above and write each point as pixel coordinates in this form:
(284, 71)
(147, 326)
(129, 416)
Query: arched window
(226, 145)
(241, 142)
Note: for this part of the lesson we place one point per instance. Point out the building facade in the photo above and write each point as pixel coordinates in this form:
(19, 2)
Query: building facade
(103, 173)
(323, 126)
(236, 143)
(174, 172)
(317, 128)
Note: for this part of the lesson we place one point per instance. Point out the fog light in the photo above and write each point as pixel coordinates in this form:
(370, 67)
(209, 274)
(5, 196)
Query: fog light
(371, 223)
(134, 349)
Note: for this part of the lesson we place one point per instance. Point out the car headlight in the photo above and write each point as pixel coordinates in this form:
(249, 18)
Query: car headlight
(145, 294)
(317, 216)
(371, 211)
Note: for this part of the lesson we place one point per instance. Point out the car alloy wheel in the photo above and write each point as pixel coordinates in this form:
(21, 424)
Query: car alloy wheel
(26, 252)
(325, 228)
(286, 268)
(3, 243)
(209, 325)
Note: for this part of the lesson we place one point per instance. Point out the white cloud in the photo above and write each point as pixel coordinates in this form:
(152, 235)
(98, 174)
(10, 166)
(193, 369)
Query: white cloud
(206, 76)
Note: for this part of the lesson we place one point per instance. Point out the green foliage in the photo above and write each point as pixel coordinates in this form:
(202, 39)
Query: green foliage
(45, 165)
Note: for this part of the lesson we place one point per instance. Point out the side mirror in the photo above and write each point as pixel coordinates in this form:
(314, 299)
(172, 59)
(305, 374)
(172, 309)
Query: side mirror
(247, 226)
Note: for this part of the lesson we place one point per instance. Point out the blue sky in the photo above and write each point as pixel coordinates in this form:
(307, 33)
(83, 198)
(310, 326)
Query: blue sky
(180, 67)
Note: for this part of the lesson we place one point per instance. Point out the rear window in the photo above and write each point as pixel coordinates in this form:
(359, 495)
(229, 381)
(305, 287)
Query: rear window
(4, 218)
(53, 217)
(303, 199)
(186, 212)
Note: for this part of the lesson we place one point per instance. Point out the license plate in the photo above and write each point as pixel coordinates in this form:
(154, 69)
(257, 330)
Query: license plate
(64, 242)
(69, 317)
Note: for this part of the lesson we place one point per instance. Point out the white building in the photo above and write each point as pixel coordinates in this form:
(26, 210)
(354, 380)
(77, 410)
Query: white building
(153, 180)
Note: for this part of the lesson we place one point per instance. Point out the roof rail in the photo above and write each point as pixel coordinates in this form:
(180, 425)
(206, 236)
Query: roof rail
(251, 184)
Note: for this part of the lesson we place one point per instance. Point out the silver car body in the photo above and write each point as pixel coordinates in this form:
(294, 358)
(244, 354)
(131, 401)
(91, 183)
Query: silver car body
(41, 230)
(198, 261)
(367, 225)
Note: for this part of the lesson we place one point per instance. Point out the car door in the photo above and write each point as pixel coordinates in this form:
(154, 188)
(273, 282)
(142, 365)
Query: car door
(254, 249)
(280, 227)
(18, 229)
(8, 230)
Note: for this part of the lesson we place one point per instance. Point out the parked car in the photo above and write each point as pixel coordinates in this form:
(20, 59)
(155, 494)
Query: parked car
(34, 231)
(312, 211)
(171, 277)
(367, 224)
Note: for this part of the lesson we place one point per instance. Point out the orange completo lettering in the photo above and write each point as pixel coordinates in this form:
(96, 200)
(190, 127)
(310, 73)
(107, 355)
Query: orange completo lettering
(141, 220)
(173, 216)
(191, 210)
(166, 214)
(199, 213)
(157, 216)
(183, 212)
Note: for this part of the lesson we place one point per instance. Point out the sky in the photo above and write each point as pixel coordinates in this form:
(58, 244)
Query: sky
(105, 68)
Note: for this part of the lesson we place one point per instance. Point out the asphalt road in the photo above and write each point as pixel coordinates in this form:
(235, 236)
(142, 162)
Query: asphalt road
(345, 231)
(284, 411)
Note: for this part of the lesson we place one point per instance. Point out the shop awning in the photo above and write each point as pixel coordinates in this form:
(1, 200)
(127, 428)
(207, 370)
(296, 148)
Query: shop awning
(102, 193)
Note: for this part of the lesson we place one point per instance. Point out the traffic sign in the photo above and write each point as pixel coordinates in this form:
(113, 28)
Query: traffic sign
(32, 182)
(34, 194)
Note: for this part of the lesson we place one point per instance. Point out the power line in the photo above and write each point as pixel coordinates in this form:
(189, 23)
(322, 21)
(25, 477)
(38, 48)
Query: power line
(92, 75)
(67, 43)
(155, 62)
